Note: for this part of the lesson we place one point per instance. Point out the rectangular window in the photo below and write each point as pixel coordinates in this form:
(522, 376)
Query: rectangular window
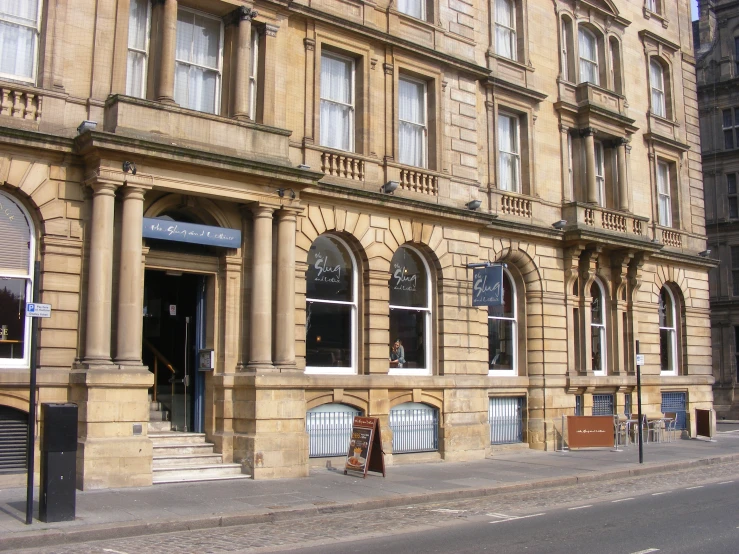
(19, 32)
(337, 102)
(197, 84)
(505, 28)
(735, 269)
(138, 48)
(414, 8)
(657, 82)
(730, 125)
(663, 191)
(412, 129)
(732, 195)
(588, 57)
(652, 6)
(600, 173)
(253, 73)
(509, 157)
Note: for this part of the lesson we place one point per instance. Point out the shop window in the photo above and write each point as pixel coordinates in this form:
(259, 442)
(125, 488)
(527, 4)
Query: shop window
(730, 126)
(731, 194)
(597, 328)
(19, 39)
(198, 60)
(667, 332)
(139, 21)
(331, 308)
(506, 44)
(337, 102)
(503, 332)
(16, 282)
(413, 122)
(410, 313)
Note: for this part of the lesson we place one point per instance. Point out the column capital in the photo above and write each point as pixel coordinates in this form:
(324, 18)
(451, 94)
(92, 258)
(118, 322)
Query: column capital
(309, 43)
(388, 68)
(271, 30)
(104, 175)
(242, 13)
(588, 132)
(262, 210)
(288, 213)
(564, 128)
(134, 192)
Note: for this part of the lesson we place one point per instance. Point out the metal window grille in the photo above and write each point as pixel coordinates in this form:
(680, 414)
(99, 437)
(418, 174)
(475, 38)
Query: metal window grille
(13, 439)
(602, 404)
(505, 416)
(329, 432)
(627, 404)
(415, 430)
(675, 402)
(578, 404)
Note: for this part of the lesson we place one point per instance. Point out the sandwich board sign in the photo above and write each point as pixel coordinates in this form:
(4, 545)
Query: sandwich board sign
(365, 447)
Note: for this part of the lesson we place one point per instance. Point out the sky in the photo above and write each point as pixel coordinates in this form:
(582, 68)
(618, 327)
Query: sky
(694, 9)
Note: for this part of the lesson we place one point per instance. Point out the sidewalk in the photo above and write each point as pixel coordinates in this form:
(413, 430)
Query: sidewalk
(120, 513)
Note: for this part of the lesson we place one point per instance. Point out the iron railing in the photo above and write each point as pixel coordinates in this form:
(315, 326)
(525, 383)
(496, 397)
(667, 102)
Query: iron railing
(329, 432)
(602, 404)
(505, 416)
(675, 402)
(415, 430)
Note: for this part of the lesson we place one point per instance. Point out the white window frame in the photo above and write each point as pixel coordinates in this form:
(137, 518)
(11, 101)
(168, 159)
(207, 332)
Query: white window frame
(253, 72)
(319, 370)
(673, 333)
(600, 172)
(514, 332)
(36, 33)
(218, 70)
(507, 27)
(352, 103)
(601, 330)
(659, 107)
(424, 125)
(516, 155)
(570, 166)
(25, 362)
(422, 4)
(144, 52)
(428, 339)
(652, 6)
(663, 194)
(582, 60)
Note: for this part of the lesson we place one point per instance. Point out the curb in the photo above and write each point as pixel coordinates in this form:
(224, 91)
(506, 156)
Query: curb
(120, 530)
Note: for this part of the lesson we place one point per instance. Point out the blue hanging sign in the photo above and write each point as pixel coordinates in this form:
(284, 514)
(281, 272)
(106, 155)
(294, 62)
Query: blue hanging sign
(192, 233)
(487, 286)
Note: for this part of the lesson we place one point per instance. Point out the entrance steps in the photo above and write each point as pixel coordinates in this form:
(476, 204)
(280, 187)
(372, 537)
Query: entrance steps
(184, 457)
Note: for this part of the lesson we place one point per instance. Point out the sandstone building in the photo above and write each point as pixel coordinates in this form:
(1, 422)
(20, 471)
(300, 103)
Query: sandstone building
(296, 185)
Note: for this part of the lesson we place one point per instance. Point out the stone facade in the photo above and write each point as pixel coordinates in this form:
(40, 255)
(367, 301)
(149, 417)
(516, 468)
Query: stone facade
(717, 68)
(507, 111)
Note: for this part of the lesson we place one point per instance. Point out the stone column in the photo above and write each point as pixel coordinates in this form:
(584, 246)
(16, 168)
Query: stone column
(285, 298)
(130, 295)
(591, 185)
(100, 273)
(165, 93)
(260, 339)
(243, 15)
(623, 186)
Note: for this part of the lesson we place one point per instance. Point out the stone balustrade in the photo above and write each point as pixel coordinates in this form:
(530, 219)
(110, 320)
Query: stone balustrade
(672, 238)
(21, 103)
(604, 218)
(515, 205)
(341, 165)
(415, 180)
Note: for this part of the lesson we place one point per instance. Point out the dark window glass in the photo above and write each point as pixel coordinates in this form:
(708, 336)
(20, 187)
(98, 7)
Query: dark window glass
(735, 268)
(408, 282)
(12, 317)
(409, 326)
(506, 310)
(328, 330)
(500, 343)
(330, 271)
(597, 305)
(727, 118)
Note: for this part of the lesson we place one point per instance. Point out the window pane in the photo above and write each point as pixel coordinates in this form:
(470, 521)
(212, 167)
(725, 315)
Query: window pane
(336, 125)
(15, 246)
(330, 271)
(17, 50)
(666, 350)
(506, 310)
(728, 139)
(408, 281)
(735, 257)
(507, 133)
(410, 101)
(414, 8)
(500, 343)
(731, 183)
(727, 118)
(135, 74)
(733, 208)
(735, 280)
(12, 317)
(328, 330)
(596, 307)
(336, 79)
(596, 343)
(409, 326)
(666, 310)
(137, 20)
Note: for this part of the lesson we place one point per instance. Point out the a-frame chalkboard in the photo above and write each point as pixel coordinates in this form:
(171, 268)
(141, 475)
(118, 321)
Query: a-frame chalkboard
(365, 447)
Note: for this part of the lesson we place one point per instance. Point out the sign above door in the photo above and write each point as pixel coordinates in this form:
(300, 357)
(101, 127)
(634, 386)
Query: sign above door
(192, 233)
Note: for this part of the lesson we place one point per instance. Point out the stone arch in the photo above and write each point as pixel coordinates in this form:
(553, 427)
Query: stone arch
(202, 209)
(524, 264)
(676, 280)
(14, 401)
(328, 398)
(401, 397)
(28, 204)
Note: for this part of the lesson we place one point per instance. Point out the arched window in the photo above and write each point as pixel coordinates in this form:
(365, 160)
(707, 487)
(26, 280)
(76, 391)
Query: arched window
(667, 332)
(588, 51)
(657, 84)
(503, 332)
(505, 29)
(331, 308)
(597, 328)
(16, 282)
(410, 313)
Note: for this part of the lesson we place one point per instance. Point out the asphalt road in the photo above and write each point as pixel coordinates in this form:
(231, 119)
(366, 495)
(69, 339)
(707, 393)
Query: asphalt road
(694, 519)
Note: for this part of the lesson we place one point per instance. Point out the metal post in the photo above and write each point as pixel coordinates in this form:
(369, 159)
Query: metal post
(184, 379)
(31, 444)
(638, 404)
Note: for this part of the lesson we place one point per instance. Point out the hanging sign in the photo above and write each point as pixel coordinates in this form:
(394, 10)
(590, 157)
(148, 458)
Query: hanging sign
(403, 279)
(192, 233)
(365, 447)
(487, 286)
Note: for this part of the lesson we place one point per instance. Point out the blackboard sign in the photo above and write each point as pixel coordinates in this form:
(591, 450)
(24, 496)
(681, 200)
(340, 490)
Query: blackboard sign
(487, 286)
(193, 233)
(365, 447)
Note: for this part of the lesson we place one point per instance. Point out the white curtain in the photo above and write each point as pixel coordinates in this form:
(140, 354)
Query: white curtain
(663, 190)
(508, 156)
(18, 34)
(138, 27)
(656, 78)
(505, 34)
(600, 180)
(412, 128)
(588, 57)
(336, 103)
(197, 53)
(414, 8)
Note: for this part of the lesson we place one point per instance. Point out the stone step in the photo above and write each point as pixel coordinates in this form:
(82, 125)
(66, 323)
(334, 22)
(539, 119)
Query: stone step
(158, 415)
(176, 474)
(159, 427)
(175, 437)
(166, 481)
(185, 460)
(182, 449)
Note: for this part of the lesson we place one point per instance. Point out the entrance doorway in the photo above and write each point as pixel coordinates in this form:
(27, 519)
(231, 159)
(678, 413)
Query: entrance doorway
(174, 331)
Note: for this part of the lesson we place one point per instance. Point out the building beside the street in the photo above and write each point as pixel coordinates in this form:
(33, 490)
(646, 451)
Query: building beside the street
(255, 220)
(717, 69)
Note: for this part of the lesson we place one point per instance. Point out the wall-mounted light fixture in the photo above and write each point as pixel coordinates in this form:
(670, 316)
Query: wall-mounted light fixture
(129, 167)
(473, 204)
(705, 253)
(86, 126)
(281, 193)
(389, 187)
(303, 166)
(559, 225)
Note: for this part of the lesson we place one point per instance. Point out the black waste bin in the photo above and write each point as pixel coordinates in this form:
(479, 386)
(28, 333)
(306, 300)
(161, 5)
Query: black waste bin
(57, 495)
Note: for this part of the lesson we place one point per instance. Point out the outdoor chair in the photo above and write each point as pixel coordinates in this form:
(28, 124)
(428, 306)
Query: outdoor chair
(670, 425)
(655, 427)
(620, 426)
